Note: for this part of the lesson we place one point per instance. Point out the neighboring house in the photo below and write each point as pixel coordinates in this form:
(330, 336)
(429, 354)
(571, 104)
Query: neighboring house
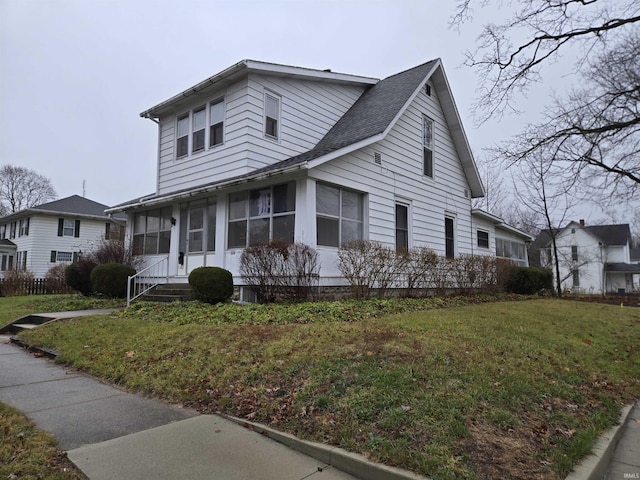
(492, 236)
(262, 151)
(592, 259)
(37, 238)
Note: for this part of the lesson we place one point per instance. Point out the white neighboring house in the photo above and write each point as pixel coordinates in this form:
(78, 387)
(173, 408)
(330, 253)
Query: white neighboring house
(37, 238)
(493, 236)
(593, 259)
(262, 151)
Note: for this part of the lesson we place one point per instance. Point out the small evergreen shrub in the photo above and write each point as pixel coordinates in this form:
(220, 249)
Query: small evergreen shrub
(78, 276)
(211, 284)
(110, 279)
(528, 280)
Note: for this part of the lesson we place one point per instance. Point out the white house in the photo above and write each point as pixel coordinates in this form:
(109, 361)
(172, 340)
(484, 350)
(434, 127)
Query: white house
(262, 151)
(37, 238)
(592, 259)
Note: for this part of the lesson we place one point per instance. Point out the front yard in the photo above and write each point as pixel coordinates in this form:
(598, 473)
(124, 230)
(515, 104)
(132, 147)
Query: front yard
(508, 389)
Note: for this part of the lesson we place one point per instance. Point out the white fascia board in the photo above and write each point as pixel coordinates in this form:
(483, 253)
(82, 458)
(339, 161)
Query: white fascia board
(287, 70)
(486, 215)
(344, 151)
(515, 231)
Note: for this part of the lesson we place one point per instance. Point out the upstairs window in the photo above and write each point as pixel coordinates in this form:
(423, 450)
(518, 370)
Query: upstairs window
(216, 127)
(68, 227)
(271, 116)
(12, 230)
(483, 239)
(182, 145)
(24, 227)
(427, 144)
(3, 231)
(199, 120)
(574, 253)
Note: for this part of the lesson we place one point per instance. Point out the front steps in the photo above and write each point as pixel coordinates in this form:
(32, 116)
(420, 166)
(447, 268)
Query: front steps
(169, 292)
(25, 323)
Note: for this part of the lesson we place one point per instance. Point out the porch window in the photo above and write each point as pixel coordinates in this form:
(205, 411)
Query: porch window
(216, 127)
(483, 239)
(152, 231)
(513, 251)
(427, 144)
(339, 215)
(260, 215)
(21, 260)
(271, 115)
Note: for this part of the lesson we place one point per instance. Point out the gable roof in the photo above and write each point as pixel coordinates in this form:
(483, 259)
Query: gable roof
(609, 235)
(368, 120)
(73, 205)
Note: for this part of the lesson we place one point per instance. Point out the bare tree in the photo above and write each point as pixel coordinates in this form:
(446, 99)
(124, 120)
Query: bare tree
(595, 127)
(23, 188)
(545, 189)
(491, 170)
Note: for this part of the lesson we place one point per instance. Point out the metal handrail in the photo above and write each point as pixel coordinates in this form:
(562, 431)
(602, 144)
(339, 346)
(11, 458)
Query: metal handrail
(147, 278)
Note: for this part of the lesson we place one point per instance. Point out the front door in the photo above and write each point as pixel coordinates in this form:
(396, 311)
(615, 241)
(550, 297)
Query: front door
(197, 236)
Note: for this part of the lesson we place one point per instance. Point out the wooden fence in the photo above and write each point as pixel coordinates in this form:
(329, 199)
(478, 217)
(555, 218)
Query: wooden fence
(32, 286)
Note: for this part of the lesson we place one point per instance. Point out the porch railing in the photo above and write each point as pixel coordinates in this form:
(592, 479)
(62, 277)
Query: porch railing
(147, 278)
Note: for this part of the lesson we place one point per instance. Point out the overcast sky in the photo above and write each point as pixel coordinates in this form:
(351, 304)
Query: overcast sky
(75, 74)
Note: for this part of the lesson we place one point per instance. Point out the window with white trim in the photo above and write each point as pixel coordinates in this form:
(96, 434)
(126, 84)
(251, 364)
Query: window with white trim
(152, 231)
(21, 260)
(216, 123)
(198, 129)
(271, 116)
(3, 231)
(24, 227)
(483, 239)
(12, 230)
(260, 215)
(576, 277)
(449, 237)
(182, 136)
(66, 257)
(514, 251)
(574, 253)
(339, 215)
(402, 227)
(68, 227)
(427, 146)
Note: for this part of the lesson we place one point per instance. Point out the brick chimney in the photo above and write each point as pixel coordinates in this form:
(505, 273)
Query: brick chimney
(582, 222)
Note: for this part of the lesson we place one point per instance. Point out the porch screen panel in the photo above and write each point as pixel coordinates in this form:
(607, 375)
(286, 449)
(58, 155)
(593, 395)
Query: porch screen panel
(211, 227)
(237, 231)
(196, 229)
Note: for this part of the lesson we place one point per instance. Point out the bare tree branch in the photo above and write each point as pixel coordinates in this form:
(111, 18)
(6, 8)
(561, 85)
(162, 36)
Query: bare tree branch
(22, 188)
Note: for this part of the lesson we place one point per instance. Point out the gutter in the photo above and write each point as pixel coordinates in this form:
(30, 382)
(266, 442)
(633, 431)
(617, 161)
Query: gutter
(143, 202)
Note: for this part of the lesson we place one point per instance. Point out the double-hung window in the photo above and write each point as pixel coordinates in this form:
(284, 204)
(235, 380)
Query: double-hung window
(271, 115)
(216, 123)
(68, 227)
(574, 253)
(260, 215)
(449, 237)
(3, 231)
(427, 146)
(182, 143)
(199, 121)
(12, 230)
(339, 215)
(24, 227)
(402, 227)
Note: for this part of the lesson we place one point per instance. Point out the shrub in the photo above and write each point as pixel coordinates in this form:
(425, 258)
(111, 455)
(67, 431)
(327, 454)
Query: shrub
(528, 280)
(55, 279)
(280, 270)
(15, 281)
(211, 284)
(114, 250)
(78, 276)
(110, 279)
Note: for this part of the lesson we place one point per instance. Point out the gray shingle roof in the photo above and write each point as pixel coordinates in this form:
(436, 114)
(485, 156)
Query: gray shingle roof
(73, 205)
(611, 234)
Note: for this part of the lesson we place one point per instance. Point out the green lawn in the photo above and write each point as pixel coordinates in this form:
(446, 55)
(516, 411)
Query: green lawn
(516, 389)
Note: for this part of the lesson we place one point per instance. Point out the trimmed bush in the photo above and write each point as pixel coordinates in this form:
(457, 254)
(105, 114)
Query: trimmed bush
(211, 284)
(528, 280)
(78, 276)
(110, 279)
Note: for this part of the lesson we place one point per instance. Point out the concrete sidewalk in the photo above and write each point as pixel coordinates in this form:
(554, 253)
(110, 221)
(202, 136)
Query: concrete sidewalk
(109, 433)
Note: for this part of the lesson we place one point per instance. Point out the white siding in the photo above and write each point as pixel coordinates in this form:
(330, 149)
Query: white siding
(590, 260)
(43, 238)
(308, 109)
(400, 176)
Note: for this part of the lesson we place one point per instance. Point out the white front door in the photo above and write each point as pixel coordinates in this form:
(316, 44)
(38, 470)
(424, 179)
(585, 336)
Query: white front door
(197, 236)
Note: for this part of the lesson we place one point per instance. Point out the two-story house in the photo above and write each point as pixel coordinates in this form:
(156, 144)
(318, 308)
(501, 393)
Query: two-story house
(592, 259)
(262, 151)
(37, 238)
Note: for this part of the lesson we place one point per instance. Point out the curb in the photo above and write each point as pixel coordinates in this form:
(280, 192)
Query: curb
(594, 466)
(351, 463)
